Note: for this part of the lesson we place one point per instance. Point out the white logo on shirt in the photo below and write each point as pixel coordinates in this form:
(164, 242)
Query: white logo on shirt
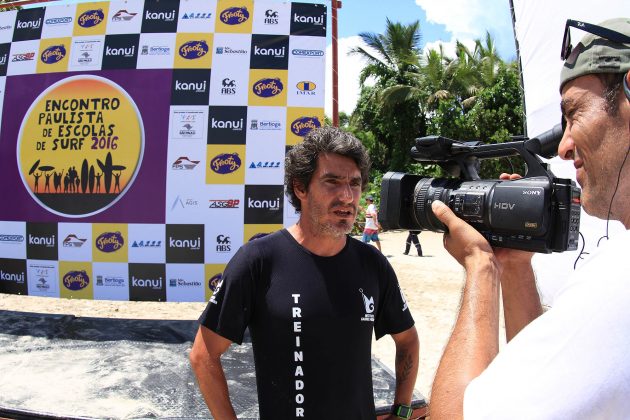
(402, 295)
(369, 307)
(216, 292)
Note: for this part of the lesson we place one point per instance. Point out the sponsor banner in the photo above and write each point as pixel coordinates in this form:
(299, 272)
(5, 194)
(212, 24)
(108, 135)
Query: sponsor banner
(13, 240)
(264, 204)
(41, 241)
(269, 52)
(184, 243)
(91, 18)
(225, 164)
(308, 19)
(7, 25)
(234, 16)
(231, 53)
(271, 18)
(251, 232)
(197, 16)
(228, 88)
(125, 17)
(146, 243)
(267, 88)
(226, 124)
(186, 163)
(266, 125)
(160, 16)
(121, 51)
(23, 58)
(184, 204)
(42, 278)
(224, 205)
(193, 51)
(223, 240)
(185, 282)
(111, 281)
(28, 24)
(214, 274)
(265, 164)
(190, 87)
(156, 51)
(53, 55)
(307, 52)
(188, 124)
(75, 241)
(13, 276)
(86, 53)
(147, 282)
(300, 122)
(76, 280)
(59, 21)
(110, 242)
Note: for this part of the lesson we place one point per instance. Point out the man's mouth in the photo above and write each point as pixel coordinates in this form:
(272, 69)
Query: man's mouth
(343, 213)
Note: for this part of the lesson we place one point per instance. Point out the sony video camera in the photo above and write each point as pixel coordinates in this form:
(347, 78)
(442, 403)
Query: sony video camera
(539, 213)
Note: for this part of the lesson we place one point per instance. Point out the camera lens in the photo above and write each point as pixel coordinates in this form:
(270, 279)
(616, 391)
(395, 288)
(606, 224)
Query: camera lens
(425, 192)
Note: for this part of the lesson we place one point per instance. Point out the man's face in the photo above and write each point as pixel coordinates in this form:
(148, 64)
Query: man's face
(596, 142)
(330, 204)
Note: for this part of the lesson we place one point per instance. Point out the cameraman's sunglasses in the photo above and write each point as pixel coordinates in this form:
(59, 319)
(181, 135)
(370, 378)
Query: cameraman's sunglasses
(608, 34)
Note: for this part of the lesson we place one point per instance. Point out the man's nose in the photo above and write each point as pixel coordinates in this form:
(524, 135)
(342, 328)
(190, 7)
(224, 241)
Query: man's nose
(566, 146)
(346, 192)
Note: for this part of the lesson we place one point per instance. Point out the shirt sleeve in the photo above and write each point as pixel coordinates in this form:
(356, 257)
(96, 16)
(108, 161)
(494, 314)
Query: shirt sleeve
(393, 315)
(229, 309)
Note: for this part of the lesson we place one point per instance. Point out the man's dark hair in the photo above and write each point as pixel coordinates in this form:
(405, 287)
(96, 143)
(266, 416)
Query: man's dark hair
(613, 87)
(301, 161)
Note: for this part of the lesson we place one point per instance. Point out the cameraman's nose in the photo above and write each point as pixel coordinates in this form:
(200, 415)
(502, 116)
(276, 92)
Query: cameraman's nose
(566, 147)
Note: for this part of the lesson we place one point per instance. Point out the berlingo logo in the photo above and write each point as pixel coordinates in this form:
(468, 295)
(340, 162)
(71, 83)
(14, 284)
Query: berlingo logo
(234, 15)
(192, 50)
(303, 125)
(53, 54)
(91, 18)
(369, 307)
(268, 87)
(225, 163)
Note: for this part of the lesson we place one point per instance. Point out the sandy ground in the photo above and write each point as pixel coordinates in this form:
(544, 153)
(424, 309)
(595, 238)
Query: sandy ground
(432, 285)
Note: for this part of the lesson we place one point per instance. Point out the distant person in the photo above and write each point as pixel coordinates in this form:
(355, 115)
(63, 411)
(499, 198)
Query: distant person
(413, 237)
(370, 230)
(312, 297)
(570, 362)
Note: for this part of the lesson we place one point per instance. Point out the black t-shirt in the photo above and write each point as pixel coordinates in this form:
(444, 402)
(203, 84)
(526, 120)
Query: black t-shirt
(310, 320)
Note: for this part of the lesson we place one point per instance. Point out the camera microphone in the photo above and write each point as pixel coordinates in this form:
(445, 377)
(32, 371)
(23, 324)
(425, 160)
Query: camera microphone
(546, 144)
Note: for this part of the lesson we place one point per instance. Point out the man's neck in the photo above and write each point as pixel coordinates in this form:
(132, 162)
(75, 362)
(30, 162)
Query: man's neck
(317, 242)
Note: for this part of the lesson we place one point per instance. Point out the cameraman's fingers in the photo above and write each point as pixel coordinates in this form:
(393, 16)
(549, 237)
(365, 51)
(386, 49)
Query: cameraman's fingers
(505, 176)
(443, 213)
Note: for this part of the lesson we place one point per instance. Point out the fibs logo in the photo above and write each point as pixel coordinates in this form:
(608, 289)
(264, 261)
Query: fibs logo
(53, 54)
(223, 244)
(268, 87)
(228, 86)
(234, 15)
(192, 50)
(225, 163)
(271, 17)
(91, 18)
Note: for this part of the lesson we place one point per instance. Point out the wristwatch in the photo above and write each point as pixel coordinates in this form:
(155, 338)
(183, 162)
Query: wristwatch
(403, 411)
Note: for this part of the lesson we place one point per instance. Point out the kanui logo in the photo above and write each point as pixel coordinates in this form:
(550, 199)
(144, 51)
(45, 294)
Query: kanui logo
(146, 282)
(184, 243)
(91, 18)
(28, 24)
(41, 241)
(121, 51)
(263, 204)
(160, 16)
(226, 124)
(308, 19)
(190, 87)
(4, 58)
(269, 52)
(13, 276)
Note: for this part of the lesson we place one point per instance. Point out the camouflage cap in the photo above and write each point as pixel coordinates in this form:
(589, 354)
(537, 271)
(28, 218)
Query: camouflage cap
(594, 54)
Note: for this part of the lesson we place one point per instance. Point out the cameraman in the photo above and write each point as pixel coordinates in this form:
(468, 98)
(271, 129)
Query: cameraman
(571, 361)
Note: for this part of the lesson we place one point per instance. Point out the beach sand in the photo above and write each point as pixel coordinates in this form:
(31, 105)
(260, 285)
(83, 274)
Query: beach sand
(432, 285)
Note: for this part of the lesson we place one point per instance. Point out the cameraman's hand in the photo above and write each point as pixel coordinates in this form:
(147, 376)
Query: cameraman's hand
(462, 241)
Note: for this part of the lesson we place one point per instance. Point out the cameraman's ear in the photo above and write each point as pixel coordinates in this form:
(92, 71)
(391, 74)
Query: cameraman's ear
(626, 85)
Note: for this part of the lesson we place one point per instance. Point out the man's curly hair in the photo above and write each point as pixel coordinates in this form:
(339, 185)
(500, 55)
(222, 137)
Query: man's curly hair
(301, 161)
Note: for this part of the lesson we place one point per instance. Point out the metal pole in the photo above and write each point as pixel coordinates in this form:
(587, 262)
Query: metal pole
(335, 77)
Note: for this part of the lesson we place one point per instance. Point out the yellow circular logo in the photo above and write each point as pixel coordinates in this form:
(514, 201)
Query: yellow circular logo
(80, 146)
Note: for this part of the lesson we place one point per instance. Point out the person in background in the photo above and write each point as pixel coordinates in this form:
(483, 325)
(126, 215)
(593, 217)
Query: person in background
(413, 237)
(570, 362)
(312, 296)
(370, 230)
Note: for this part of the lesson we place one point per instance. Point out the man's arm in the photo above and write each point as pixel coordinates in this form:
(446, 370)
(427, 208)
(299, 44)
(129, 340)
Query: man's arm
(205, 358)
(474, 341)
(407, 364)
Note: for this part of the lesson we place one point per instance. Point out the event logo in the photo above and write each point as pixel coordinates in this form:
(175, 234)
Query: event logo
(306, 88)
(80, 146)
(29, 56)
(53, 54)
(58, 21)
(183, 163)
(228, 86)
(234, 15)
(72, 241)
(109, 242)
(123, 16)
(91, 18)
(76, 280)
(224, 204)
(265, 125)
(303, 125)
(146, 244)
(268, 87)
(197, 15)
(230, 51)
(271, 17)
(225, 163)
(223, 243)
(192, 50)
(11, 239)
(259, 165)
(307, 53)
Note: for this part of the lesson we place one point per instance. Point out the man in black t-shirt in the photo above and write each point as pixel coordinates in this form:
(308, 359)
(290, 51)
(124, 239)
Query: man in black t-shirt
(311, 297)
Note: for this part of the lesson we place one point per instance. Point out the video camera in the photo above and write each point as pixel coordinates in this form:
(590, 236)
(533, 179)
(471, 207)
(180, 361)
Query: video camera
(539, 212)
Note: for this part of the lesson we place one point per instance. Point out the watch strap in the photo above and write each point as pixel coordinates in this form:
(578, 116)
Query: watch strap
(403, 411)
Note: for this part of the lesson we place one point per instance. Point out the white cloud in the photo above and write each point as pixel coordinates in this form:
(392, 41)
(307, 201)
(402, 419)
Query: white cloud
(348, 75)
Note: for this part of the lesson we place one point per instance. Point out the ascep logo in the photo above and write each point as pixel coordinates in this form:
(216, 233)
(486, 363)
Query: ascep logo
(230, 203)
(196, 15)
(264, 165)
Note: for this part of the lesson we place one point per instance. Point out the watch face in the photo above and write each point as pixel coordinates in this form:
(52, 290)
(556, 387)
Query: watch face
(403, 411)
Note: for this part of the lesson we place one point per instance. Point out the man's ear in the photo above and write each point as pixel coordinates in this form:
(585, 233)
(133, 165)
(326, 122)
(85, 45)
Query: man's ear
(626, 85)
(299, 190)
